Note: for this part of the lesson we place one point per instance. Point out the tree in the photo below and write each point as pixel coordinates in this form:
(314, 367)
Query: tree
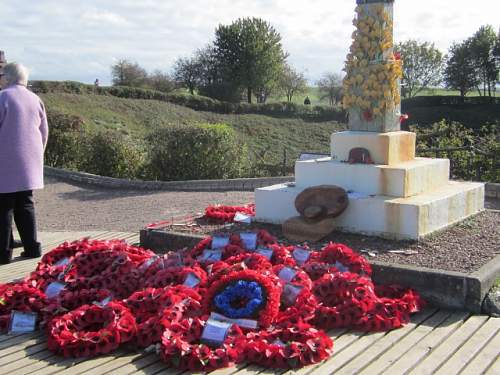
(460, 72)
(250, 53)
(422, 66)
(187, 72)
(126, 73)
(292, 82)
(330, 85)
(482, 48)
(161, 81)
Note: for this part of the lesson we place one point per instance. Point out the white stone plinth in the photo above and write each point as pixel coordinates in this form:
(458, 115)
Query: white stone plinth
(397, 218)
(398, 180)
(385, 148)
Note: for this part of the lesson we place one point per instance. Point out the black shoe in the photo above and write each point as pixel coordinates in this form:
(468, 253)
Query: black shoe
(6, 257)
(17, 243)
(35, 252)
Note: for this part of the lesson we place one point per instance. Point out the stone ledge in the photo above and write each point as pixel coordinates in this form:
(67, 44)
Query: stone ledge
(447, 289)
(492, 190)
(239, 184)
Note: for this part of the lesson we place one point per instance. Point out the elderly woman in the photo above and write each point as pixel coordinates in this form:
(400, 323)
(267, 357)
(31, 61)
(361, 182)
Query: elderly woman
(23, 137)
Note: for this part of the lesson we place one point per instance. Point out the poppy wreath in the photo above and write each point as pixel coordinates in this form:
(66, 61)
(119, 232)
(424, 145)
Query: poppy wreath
(253, 261)
(65, 250)
(46, 274)
(282, 255)
(261, 293)
(19, 297)
(316, 270)
(301, 277)
(344, 299)
(303, 310)
(226, 214)
(180, 346)
(68, 300)
(91, 330)
(345, 256)
(288, 347)
(176, 276)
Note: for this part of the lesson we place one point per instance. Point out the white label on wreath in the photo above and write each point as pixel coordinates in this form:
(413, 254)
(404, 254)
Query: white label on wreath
(104, 302)
(219, 241)
(245, 323)
(340, 267)
(279, 343)
(268, 253)
(215, 332)
(62, 262)
(287, 274)
(290, 294)
(240, 217)
(249, 240)
(191, 280)
(148, 263)
(301, 255)
(22, 322)
(211, 255)
(54, 289)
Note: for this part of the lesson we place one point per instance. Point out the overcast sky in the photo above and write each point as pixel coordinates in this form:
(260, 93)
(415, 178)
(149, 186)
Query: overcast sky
(80, 39)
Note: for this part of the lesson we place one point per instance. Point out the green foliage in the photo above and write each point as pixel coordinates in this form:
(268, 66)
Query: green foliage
(292, 82)
(482, 47)
(65, 146)
(460, 72)
(423, 64)
(209, 151)
(112, 154)
(250, 54)
(127, 73)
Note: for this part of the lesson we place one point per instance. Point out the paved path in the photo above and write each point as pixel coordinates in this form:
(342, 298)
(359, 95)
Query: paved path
(435, 342)
(62, 206)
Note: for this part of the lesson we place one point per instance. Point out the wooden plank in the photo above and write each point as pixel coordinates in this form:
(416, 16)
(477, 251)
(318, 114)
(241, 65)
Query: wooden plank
(137, 365)
(22, 359)
(34, 363)
(117, 362)
(485, 358)
(494, 368)
(446, 348)
(391, 339)
(9, 347)
(379, 365)
(422, 348)
(156, 368)
(472, 347)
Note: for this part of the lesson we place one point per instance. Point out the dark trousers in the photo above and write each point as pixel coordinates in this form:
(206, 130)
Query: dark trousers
(20, 207)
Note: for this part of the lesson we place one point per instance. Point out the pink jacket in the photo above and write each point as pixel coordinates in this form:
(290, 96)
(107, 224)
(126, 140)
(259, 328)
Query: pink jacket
(23, 137)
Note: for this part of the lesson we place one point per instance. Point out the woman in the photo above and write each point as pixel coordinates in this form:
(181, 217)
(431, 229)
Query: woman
(23, 137)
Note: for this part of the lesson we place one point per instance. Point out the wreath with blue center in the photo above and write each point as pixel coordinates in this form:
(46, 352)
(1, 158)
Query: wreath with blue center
(242, 299)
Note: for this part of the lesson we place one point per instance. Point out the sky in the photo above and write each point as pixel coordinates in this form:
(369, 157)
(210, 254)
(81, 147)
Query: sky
(81, 39)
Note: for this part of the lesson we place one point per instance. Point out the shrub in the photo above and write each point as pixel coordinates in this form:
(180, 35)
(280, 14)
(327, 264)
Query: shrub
(112, 154)
(66, 142)
(195, 152)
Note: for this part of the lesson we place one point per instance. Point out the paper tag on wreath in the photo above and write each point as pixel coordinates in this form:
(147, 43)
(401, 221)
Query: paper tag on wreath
(290, 294)
(249, 240)
(54, 289)
(245, 323)
(301, 255)
(287, 274)
(148, 263)
(279, 343)
(215, 332)
(22, 322)
(104, 302)
(191, 280)
(211, 255)
(65, 271)
(340, 267)
(62, 262)
(240, 217)
(219, 241)
(268, 253)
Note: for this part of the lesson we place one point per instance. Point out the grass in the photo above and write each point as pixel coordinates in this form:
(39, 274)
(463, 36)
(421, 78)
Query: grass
(265, 135)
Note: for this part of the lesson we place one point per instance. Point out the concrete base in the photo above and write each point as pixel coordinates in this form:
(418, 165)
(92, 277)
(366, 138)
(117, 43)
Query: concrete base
(385, 148)
(384, 216)
(399, 180)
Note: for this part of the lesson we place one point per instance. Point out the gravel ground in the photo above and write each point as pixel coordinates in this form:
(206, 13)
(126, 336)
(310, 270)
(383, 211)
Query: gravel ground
(61, 206)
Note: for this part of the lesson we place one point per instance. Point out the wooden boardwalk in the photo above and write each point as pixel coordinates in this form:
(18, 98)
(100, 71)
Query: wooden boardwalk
(435, 342)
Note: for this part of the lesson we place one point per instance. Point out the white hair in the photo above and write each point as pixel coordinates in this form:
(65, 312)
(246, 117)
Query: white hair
(16, 74)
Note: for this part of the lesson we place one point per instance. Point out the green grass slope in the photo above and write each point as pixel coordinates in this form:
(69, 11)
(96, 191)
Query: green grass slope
(265, 135)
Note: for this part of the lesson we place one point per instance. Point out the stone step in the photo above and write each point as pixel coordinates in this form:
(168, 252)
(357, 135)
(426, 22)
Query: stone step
(404, 179)
(380, 215)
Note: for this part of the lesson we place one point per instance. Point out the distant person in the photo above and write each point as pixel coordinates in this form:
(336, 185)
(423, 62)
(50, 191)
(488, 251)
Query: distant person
(96, 82)
(23, 137)
(307, 101)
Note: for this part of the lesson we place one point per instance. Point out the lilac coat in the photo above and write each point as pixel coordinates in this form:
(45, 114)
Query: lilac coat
(23, 137)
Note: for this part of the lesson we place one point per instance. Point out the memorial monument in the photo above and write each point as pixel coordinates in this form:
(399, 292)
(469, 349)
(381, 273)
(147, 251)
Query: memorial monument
(391, 192)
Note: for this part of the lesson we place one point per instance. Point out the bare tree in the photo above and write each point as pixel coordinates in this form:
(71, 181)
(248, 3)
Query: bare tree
(126, 73)
(330, 86)
(292, 82)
